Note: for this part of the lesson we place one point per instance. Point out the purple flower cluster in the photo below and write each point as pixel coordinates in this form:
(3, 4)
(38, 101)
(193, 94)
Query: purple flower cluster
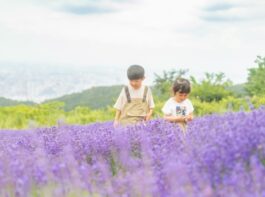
(219, 155)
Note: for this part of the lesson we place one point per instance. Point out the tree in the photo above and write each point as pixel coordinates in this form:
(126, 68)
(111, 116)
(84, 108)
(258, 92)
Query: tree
(163, 83)
(213, 88)
(256, 78)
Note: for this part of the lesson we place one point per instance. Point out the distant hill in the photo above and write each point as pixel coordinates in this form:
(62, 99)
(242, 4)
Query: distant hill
(95, 97)
(98, 97)
(238, 89)
(10, 102)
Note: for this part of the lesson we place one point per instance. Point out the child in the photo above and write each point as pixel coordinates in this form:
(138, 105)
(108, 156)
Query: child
(179, 108)
(135, 103)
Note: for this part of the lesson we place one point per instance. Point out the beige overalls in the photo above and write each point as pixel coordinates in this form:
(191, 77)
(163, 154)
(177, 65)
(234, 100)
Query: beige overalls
(135, 110)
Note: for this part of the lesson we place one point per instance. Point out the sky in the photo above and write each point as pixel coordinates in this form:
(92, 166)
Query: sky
(199, 35)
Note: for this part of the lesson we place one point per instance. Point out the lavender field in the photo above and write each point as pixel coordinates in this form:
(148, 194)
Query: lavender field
(219, 155)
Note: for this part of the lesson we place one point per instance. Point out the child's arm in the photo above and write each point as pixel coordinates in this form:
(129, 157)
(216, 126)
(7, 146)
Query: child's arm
(189, 117)
(171, 118)
(149, 115)
(118, 106)
(117, 118)
(184, 119)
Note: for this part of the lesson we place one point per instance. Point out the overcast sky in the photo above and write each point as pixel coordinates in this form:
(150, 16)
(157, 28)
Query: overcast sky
(199, 35)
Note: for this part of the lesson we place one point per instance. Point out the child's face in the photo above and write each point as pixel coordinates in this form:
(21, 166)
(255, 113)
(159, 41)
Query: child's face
(136, 83)
(181, 96)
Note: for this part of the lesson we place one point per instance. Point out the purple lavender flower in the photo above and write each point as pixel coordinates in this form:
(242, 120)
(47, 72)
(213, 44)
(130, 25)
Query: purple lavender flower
(219, 155)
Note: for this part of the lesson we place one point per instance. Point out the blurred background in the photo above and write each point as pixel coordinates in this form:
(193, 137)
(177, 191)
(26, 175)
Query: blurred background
(67, 59)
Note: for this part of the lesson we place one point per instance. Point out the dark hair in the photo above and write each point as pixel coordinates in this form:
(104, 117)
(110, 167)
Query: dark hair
(181, 85)
(135, 72)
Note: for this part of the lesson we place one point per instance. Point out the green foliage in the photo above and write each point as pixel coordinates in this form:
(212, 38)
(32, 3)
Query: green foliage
(163, 84)
(227, 104)
(212, 88)
(256, 78)
(158, 106)
(84, 115)
(258, 101)
(49, 114)
(23, 116)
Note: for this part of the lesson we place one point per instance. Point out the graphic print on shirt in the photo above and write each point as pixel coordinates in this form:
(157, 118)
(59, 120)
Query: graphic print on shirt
(181, 110)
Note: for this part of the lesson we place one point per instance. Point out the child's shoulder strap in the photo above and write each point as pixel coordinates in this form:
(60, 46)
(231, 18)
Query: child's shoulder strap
(145, 93)
(128, 96)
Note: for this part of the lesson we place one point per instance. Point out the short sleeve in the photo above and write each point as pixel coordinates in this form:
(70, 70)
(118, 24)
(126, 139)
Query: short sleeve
(190, 107)
(120, 101)
(150, 99)
(166, 108)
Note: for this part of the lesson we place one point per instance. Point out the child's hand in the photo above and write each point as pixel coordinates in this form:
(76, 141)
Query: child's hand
(188, 118)
(148, 117)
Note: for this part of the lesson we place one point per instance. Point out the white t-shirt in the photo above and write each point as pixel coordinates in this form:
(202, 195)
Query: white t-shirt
(173, 108)
(139, 93)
